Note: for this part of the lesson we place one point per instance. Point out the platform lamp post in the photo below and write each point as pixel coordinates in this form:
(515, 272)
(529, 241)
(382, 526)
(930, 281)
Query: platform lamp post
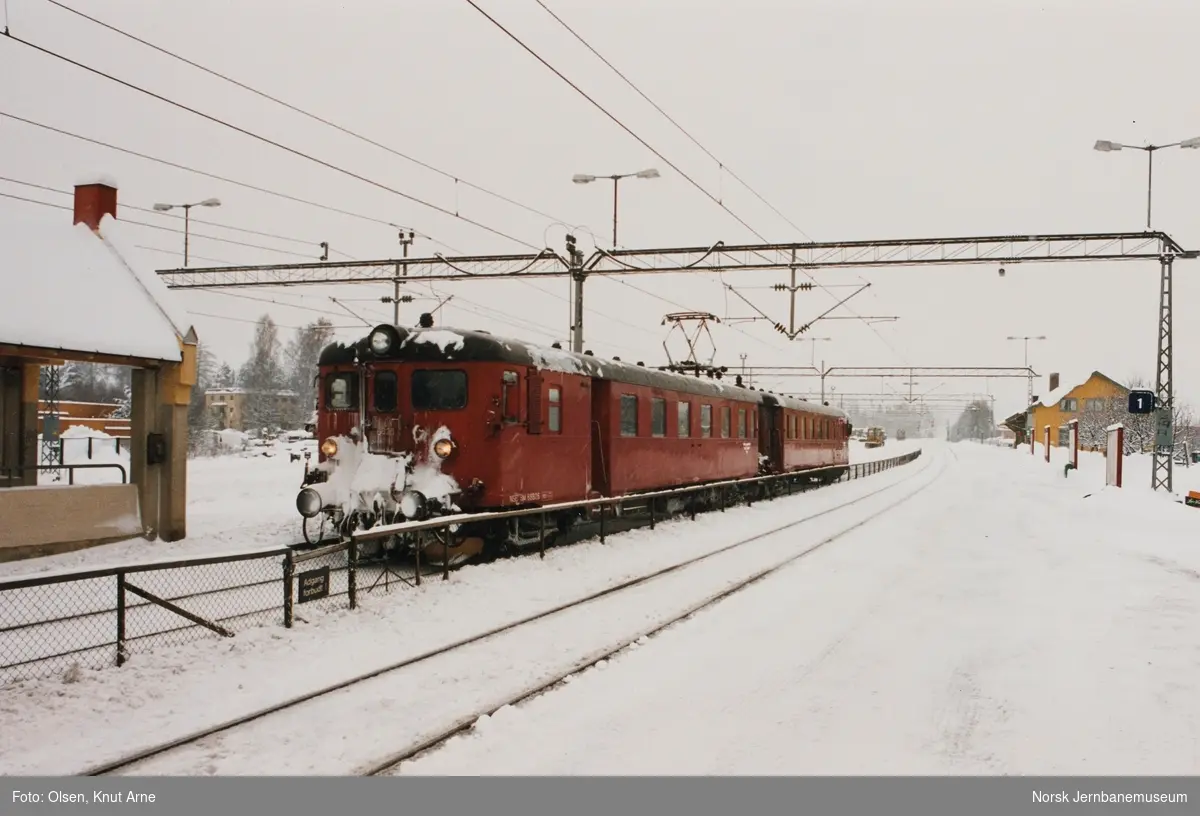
(187, 211)
(1028, 379)
(582, 178)
(1109, 147)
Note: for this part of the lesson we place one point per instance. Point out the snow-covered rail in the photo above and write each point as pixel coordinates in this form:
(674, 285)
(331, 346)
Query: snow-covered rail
(431, 683)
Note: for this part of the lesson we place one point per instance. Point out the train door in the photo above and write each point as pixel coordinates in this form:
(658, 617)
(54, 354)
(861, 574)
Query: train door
(10, 424)
(770, 439)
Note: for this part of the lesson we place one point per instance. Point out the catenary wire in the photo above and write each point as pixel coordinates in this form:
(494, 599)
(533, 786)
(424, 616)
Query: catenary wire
(266, 140)
(446, 174)
(224, 179)
(724, 167)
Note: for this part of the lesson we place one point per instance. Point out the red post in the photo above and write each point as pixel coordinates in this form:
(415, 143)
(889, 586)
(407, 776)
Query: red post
(1046, 434)
(1120, 453)
(1074, 425)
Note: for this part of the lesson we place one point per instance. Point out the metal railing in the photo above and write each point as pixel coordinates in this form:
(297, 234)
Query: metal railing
(7, 472)
(62, 623)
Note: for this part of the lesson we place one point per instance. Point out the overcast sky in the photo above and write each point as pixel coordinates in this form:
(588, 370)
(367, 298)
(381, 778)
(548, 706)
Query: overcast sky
(855, 119)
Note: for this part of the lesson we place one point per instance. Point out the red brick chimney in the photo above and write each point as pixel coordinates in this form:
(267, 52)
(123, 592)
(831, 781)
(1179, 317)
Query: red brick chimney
(93, 202)
(1053, 381)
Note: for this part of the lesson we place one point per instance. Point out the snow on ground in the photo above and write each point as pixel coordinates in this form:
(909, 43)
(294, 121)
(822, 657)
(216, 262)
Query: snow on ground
(235, 502)
(1006, 621)
(56, 726)
(890, 449)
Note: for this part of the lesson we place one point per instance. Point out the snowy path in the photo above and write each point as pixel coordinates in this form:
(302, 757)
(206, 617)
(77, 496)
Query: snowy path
(367, 722)
(956, 637)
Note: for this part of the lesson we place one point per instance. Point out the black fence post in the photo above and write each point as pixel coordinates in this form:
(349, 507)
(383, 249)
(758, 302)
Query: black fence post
(603, 507)
(90, 438)
(542, 536)
(651, 513)
(352, 574)
(417, 560)
(121, 619)
(446, 556)
(289, 571)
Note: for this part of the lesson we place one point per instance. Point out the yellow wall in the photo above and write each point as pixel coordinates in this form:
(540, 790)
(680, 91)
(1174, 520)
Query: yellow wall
(1096, 387)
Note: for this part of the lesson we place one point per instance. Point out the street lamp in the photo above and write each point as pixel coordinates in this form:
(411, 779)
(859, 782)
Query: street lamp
(583, 178)
(1109, 147)
(187, 209)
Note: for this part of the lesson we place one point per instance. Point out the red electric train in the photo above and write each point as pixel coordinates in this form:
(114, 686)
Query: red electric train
(431, 421)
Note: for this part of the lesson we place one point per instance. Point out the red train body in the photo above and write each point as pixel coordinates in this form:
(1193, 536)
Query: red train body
(420, 422)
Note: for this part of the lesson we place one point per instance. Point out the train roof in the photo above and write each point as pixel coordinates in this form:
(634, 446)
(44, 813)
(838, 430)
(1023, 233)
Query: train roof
(442, 345)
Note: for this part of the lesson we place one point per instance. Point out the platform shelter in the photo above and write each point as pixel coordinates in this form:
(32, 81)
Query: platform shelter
(74, 291)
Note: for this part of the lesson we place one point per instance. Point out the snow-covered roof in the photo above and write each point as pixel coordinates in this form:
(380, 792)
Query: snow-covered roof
(72, 290)
(1067, 385)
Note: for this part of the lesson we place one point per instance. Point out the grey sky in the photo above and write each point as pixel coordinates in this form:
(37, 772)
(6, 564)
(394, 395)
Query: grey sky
(856, 119)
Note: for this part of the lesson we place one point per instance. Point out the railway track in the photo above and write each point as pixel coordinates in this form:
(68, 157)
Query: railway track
(425, 674)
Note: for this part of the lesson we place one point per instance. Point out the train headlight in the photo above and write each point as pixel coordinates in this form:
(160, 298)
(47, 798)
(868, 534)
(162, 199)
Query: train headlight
(381, 341)
(443, 448)
(329, 447)
(412, 504)
(309, 502)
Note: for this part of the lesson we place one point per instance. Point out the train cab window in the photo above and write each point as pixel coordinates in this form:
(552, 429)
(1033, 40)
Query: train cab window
(555, 418)
(658, 417)
(685, 419)
(434, 390)
(341, 391)
(387, 392)
(629, 412)
(741, 423)
(725, 422)
(706, 420)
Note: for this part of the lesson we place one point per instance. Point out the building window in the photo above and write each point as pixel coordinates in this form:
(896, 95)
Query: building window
(438, 390)
(706, 420)
(628, 415)
(685, 419)
(1069, 405)
(387, 391)
(725, 422)
(555, 418)
(741, 423)
(1093, 405)
(658, 417)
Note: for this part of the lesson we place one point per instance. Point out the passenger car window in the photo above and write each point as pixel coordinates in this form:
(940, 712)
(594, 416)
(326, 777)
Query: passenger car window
(555, 410)
(386, 391)
(685, 419)
(725, 422)
(658, 417)
(706, 420)
(341, 392)
(628, 415)
(741, 423)
(434, 390)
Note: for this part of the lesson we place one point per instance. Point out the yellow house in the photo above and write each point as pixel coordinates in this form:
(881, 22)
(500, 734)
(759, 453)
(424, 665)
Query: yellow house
(1096, 402)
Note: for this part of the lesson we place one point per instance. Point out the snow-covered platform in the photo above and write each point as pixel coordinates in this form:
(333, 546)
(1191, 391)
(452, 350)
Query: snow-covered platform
(1004, 620)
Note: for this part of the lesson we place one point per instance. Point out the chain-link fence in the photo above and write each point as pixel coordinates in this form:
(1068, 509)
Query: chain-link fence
(48, 625)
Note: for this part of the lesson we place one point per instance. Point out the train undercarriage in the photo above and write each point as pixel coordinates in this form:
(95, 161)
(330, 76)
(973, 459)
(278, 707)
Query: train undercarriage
(500, 538)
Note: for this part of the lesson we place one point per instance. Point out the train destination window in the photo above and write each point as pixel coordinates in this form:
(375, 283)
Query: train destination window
(725, 422)
(386, 391)
(658, 416)
(341, 392)
(555, 410)
(628, 415)
(741, 423)
(685, 419)
(434, 390)
(706, 420)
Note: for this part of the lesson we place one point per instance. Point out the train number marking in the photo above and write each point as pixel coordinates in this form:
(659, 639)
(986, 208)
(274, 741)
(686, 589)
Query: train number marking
(521, 498)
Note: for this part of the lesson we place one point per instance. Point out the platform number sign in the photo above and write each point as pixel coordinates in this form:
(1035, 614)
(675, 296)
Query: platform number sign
(1141, 402)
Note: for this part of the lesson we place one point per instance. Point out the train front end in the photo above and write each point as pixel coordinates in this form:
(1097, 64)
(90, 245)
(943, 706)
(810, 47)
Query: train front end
(392, 421)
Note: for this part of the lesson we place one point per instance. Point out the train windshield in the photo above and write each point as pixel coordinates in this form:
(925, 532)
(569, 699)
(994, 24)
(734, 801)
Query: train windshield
(438, 390)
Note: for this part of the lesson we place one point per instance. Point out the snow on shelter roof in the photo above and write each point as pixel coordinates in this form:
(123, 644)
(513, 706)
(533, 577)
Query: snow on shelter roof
(71, 290)
(444, 344)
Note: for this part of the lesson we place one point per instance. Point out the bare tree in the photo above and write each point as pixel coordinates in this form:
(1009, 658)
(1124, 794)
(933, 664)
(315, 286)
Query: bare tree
(1140, 429)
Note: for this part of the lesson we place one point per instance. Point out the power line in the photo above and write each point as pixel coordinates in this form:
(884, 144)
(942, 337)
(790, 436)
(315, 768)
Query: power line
(304, 241)
(160, 227)
(268, 141)
(224, 179)
(302, 112)
(678, 126)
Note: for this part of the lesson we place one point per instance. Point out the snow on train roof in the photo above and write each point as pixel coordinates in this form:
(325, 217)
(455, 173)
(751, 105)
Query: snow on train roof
(448, 345)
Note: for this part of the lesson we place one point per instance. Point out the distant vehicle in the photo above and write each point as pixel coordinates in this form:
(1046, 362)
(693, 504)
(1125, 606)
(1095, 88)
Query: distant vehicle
(900, 435)
(875, 437)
